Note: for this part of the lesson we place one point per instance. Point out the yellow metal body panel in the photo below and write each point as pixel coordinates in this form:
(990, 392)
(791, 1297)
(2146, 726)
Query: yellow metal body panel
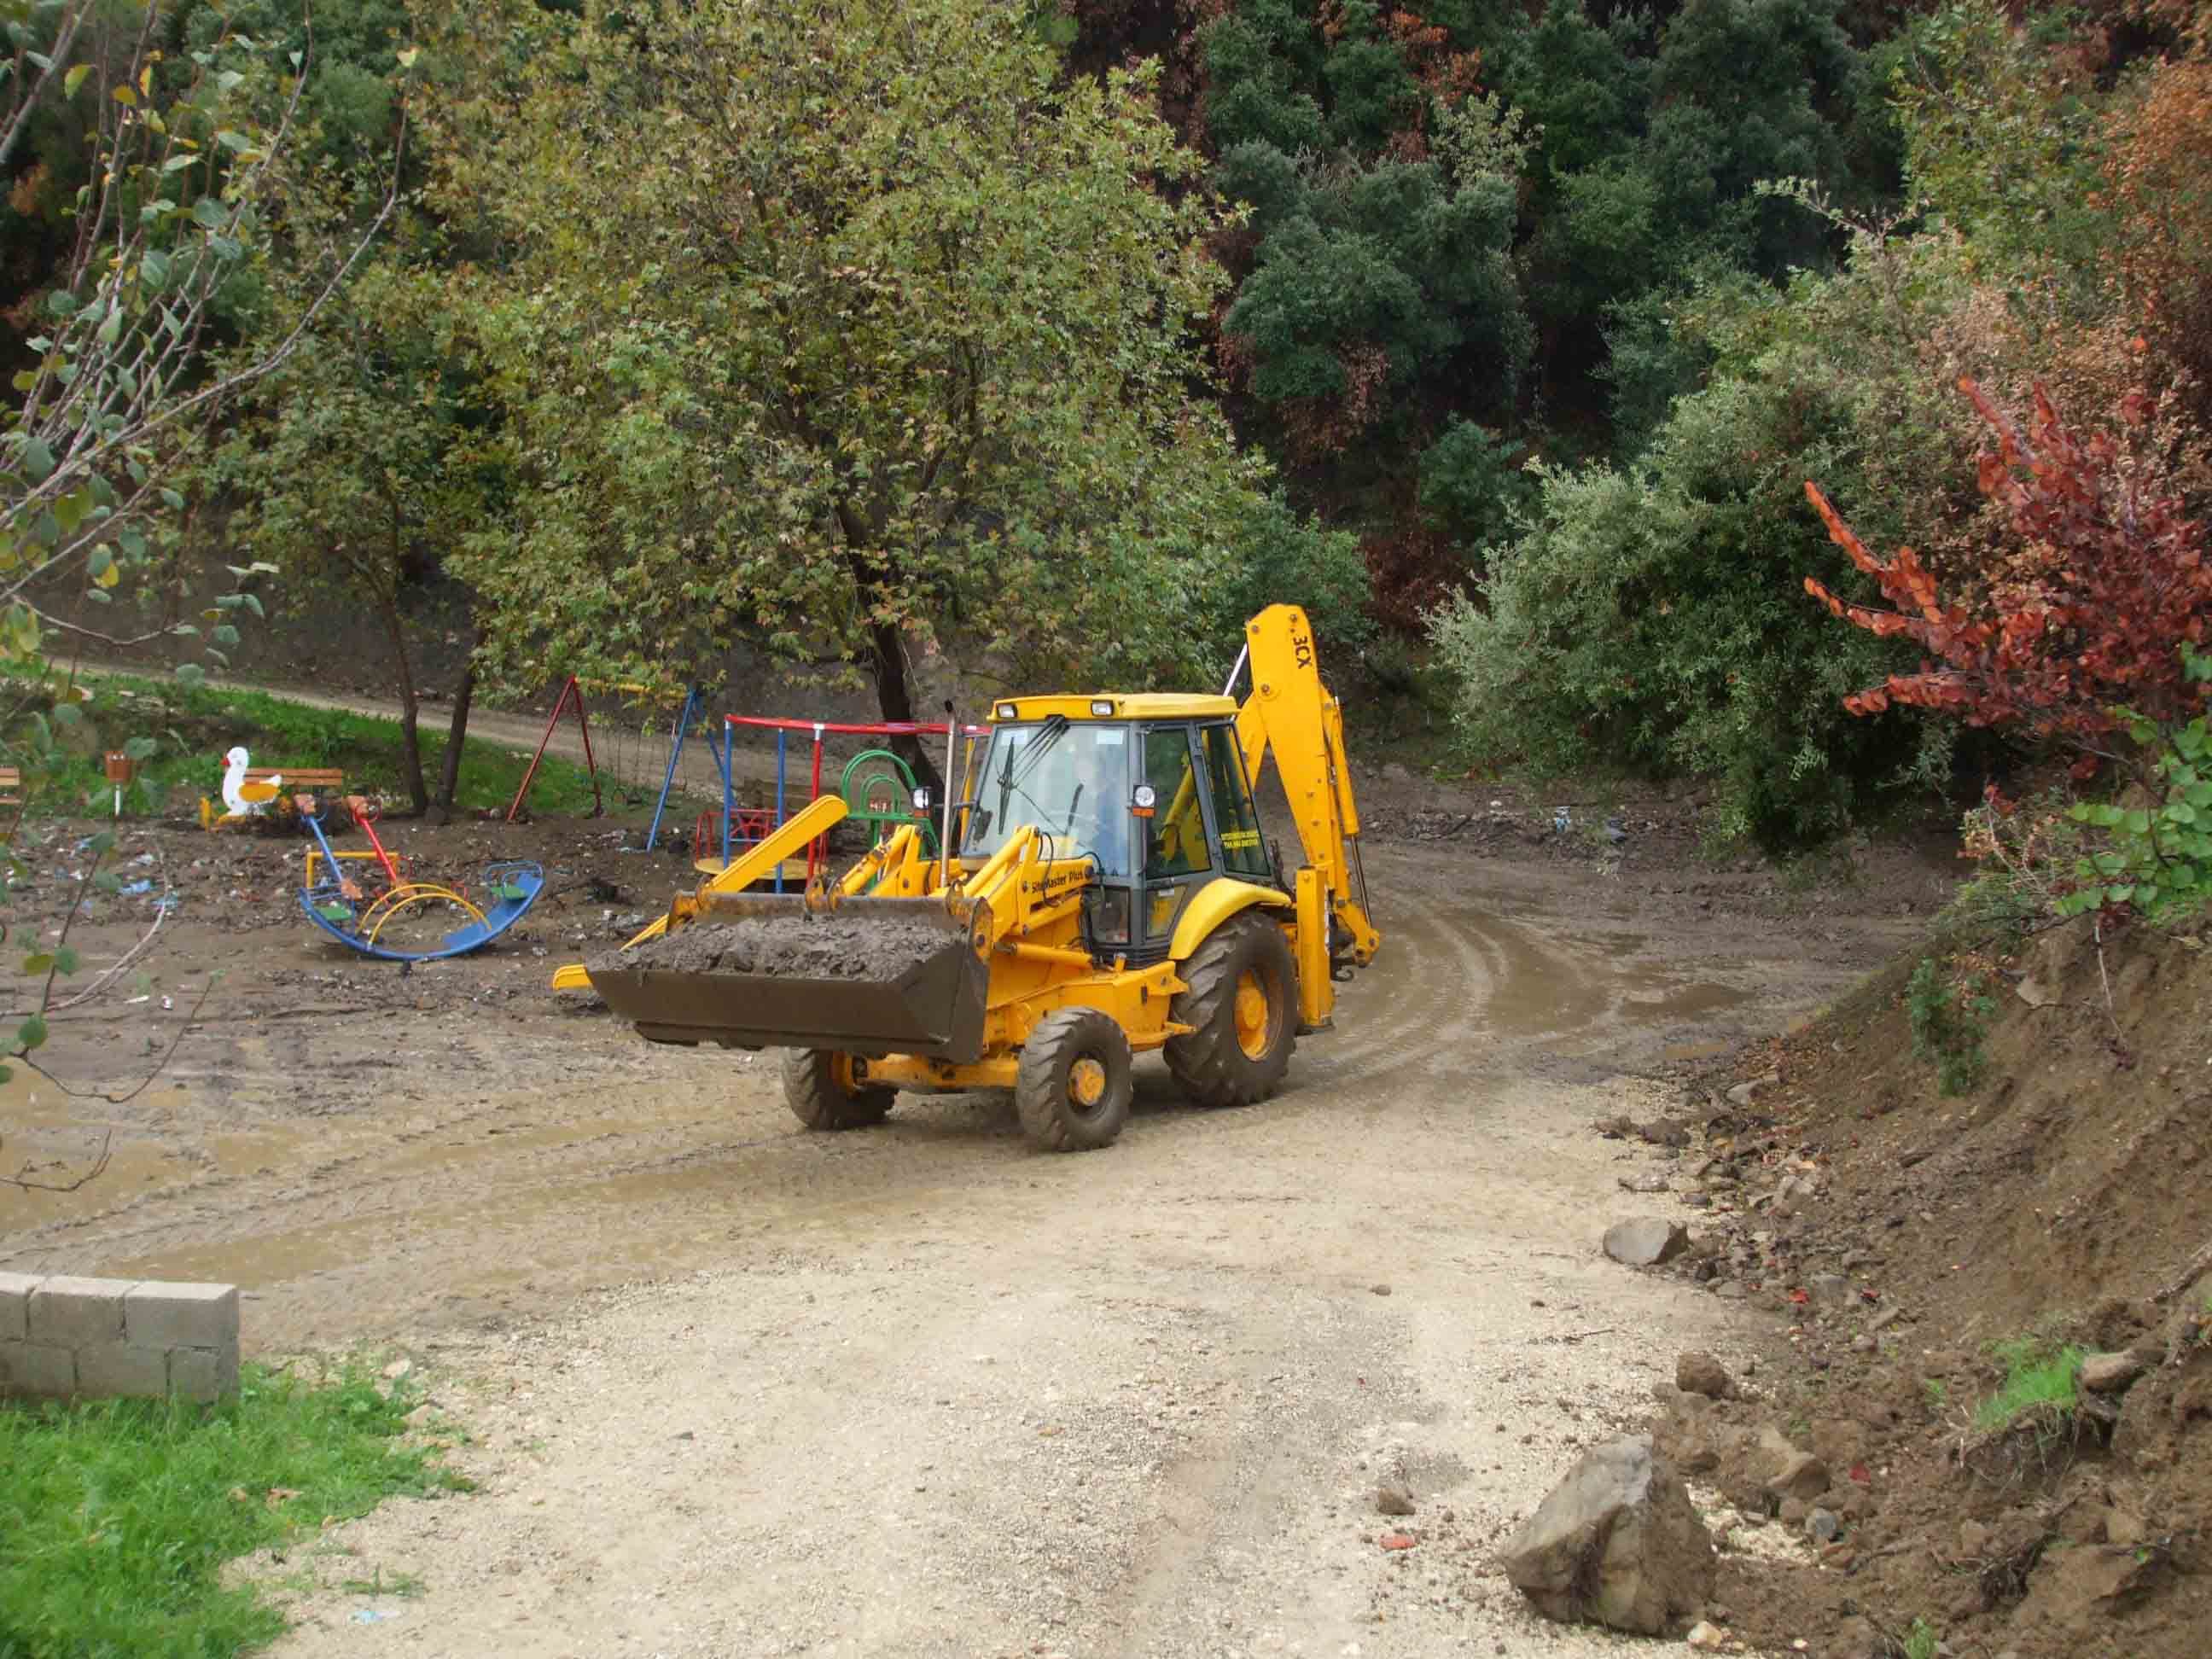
(1292, 714)
(1309, 945)
(1121, 706)
(1213, 904)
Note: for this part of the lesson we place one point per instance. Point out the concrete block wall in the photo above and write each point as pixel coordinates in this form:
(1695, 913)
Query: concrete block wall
(62, 1336)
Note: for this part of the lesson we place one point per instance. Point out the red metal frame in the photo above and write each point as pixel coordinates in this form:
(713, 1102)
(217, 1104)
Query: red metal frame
(575, 691)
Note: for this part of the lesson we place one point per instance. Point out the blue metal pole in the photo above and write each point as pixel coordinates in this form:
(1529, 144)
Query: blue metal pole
(674, 754)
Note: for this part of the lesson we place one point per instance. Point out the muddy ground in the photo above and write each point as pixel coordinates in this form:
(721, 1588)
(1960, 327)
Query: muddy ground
(734, 1389)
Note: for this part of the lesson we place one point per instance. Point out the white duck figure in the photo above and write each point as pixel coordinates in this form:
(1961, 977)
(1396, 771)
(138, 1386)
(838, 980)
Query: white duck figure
(239, 799)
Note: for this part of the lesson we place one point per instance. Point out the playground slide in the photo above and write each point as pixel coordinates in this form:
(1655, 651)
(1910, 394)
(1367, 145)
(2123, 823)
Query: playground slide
(817, 819)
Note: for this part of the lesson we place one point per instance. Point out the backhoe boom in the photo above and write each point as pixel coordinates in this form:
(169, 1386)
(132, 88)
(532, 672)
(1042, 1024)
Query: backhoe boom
(1292, 713)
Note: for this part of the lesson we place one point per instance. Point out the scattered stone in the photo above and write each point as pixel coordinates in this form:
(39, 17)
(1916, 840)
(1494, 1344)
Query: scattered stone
(1647, 1181)
(1833, 1288)
(1824, 1526)
(1701, 1373)
(1794, 1512)
(1707, 1637)
(1380, 1289)
(1887, 1317)
(1646, 1242)
(1616, 1543)
(1397, 1540)
(1801, 1475)
(2109, 1373)
(1744, 1093)
(1394, 1498)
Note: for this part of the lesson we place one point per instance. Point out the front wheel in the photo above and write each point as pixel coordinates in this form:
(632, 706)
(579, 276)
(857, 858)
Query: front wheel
(1075, 1083)
(1242, 1007)
(824, 1091)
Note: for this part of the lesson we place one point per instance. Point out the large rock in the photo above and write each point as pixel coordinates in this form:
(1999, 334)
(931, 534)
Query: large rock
(1701, 1373)
(1616, 1543)
(1647, 1241)
(2110, 1373)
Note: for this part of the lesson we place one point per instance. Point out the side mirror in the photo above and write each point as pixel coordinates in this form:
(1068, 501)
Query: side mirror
(922, 801)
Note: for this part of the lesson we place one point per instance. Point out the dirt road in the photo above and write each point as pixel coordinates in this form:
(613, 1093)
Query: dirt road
(919, 1390)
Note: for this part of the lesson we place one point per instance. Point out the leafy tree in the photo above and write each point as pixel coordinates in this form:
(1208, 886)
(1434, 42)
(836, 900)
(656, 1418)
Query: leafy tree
(1646, 619)
(1373, 282)
(175, 211)
(350, 464)
(2088, 641)
(2003, 135)
(832, 331)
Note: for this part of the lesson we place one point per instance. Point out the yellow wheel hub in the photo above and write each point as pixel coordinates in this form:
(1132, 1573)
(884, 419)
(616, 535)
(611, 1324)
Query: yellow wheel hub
(1251, 1015)
(1086, 1082)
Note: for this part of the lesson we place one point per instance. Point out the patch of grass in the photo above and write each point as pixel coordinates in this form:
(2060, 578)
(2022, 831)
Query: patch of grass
(1921, 1641)
(408, 1584)
(1933, 1392)
(192, 726)
(1950, 1017)
(119, 1515)
(2041, 1381)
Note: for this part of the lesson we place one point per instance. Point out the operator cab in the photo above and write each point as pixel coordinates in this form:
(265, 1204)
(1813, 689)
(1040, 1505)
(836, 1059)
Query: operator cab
(1150, 790)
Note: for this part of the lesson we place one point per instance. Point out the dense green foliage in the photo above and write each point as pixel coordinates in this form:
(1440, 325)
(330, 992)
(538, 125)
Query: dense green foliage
(843, 397)
(1048, 339)
(122, 1514)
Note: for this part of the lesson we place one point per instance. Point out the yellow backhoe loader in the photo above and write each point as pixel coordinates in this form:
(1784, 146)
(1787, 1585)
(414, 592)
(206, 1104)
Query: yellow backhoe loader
(1101, 889)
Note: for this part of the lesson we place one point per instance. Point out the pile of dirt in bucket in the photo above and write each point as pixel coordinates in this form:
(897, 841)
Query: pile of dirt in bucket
(799, 946)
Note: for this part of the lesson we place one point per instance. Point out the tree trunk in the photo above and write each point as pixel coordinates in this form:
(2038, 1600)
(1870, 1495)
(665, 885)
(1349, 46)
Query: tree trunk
(449, 778)
(410, 743)
(895, 697)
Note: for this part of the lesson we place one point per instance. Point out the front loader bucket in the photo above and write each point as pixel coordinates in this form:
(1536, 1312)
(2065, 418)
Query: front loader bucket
(873, 977)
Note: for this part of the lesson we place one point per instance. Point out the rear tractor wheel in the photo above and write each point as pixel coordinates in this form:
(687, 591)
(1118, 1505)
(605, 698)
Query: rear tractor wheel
(1074, 1085)
(826, 1090)
(1242, 1009)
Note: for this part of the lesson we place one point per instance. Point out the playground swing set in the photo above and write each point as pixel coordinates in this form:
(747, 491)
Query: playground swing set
(362, 897)
(876, 784)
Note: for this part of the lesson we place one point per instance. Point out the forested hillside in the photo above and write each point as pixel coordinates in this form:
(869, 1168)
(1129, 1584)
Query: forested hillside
(1506, 338)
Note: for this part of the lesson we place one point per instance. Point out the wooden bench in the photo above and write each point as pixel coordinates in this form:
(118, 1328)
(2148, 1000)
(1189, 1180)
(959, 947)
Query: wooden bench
(256, 784)
(318, 778)
(11, 786)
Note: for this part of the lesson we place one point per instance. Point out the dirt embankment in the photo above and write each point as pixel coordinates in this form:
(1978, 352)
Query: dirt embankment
(1993, 1328)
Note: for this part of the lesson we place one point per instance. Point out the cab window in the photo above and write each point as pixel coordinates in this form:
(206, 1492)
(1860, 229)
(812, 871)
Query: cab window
(1174, 837)
(1242, 852)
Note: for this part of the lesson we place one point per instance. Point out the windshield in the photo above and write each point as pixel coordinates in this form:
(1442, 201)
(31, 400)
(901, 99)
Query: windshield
(1070, 780)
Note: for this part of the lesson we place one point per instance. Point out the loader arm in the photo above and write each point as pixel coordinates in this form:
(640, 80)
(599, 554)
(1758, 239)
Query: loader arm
(1292, 714)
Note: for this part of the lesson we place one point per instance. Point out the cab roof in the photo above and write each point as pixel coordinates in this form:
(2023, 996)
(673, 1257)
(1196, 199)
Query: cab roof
(1116, 706)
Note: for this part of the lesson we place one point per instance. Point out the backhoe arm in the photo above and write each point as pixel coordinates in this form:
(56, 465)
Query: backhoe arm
(1291, 712)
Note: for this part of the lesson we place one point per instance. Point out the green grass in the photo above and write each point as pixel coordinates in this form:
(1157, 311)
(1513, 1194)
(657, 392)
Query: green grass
(116, 1516)
(2041, 1380)
(1921, 1641)
(192, 726)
